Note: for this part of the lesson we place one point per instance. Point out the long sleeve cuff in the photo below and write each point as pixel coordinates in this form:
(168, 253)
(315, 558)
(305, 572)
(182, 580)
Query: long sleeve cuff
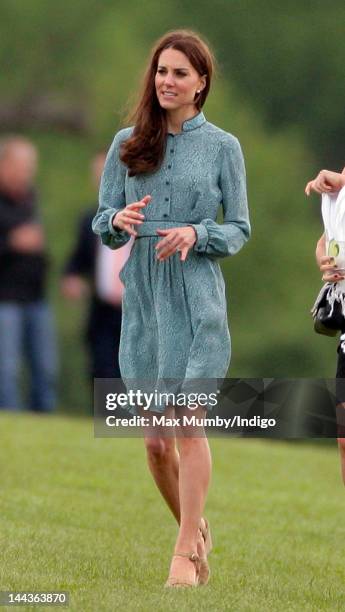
(115, 231)
(111, 236)
(220, 240)
(202, 237)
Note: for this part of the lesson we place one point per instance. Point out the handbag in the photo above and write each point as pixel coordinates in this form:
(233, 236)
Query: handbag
(328, 316)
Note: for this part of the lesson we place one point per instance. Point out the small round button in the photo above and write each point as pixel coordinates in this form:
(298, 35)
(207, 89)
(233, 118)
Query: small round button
(167, 182)
(165, 215)
(166, 199)
(171, 150)
(169, 166)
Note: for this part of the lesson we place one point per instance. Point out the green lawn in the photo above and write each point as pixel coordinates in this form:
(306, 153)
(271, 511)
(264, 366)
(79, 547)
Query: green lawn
(82, 514)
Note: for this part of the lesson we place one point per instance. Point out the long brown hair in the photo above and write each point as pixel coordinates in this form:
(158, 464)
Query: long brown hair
(144, 150)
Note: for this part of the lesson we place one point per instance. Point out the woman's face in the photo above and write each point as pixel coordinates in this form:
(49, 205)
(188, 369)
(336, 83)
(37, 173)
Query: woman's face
(176, 80)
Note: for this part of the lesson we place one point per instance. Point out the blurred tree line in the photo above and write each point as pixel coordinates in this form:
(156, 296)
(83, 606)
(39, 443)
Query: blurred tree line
(71, 63)
(288, 61)
(70, 71)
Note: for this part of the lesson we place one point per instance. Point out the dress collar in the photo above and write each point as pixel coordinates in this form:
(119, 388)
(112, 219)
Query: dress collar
(193, 122)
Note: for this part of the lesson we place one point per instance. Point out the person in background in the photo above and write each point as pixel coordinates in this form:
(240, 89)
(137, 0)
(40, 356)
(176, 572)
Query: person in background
(26, 321)
(92, 269)
(326, 182)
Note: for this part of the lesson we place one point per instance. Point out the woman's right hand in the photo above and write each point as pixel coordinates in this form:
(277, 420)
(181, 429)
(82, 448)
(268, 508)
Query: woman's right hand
(330, 274)
(129, 216)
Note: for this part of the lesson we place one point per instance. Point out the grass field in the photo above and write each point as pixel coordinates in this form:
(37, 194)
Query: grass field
(82, 514)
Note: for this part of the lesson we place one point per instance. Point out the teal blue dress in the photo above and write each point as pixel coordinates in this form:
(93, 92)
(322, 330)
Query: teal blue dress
(174, 321)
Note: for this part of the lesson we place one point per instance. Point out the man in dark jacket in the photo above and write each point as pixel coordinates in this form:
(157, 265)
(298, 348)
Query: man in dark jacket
(26, 323)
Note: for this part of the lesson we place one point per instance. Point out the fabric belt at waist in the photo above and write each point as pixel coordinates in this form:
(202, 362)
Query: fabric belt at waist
(149, 228)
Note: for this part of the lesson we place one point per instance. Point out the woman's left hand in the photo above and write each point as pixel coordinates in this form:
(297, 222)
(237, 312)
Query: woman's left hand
(175, 239)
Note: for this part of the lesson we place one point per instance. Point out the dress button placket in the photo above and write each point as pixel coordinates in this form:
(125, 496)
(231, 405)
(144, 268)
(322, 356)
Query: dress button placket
(167, 199)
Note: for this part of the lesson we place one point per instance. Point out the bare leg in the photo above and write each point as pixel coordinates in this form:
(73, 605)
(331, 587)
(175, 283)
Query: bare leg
(341, 439)
(163, 462)
(341, 445)
(194, 478)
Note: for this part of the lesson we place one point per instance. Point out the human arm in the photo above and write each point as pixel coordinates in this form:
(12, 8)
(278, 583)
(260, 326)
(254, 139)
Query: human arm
(112, 196)
(74, 287)
(208, 236)
(326, 263)
(27, 238)
(326, 182)
(114, 220)
(80, 264)
(21, 229)
(320, 250)
(227, 238)
(82, 257)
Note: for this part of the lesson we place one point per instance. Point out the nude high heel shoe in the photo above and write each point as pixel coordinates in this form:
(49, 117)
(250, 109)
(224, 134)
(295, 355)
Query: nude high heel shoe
(174, 581)
(204, 572)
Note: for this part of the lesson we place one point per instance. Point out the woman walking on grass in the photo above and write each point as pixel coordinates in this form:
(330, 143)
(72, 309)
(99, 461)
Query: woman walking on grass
(164, 181)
